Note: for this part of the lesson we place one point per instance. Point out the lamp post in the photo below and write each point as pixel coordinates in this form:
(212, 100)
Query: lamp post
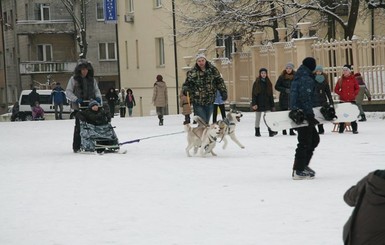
(175, 56)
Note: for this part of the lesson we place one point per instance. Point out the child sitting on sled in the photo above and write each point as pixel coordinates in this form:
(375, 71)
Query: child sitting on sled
(94, 114)
(37, 112)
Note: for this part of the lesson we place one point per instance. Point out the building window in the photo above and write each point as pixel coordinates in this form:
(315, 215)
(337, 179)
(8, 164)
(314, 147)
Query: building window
(107, 51)
(130, 6)
(227, 41)
(44, 52)
(158, 3)
(42, 11)
(160, 59)
(99, 10)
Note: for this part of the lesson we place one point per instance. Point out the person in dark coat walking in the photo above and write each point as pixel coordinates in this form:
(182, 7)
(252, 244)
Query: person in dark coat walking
(366, 224)
(283, 85)
(262, 99)
(59, 97)
(302, 97)
(112, 98)
(322, 92)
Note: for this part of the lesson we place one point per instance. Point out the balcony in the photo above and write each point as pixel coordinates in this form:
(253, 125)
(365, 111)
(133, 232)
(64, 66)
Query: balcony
(27, 27)
(41, 67)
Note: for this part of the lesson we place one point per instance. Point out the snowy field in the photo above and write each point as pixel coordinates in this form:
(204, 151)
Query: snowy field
(156, 195)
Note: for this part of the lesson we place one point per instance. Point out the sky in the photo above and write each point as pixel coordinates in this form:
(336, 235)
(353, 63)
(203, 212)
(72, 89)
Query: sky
(155, 194)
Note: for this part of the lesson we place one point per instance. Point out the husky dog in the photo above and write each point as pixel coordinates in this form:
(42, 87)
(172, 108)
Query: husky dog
(228, 127)
(203, 136)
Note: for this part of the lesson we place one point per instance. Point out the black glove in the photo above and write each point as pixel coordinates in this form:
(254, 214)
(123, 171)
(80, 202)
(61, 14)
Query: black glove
(311, 120)
(297, 116)
(224, 96)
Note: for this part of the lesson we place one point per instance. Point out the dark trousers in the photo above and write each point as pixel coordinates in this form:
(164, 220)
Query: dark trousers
(308, 140)
(77, 140)
(122, 111)
(58, 113)
(112, 108)
(215, 112)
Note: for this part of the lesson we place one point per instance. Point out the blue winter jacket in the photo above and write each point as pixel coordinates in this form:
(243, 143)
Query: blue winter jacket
(58, 95)
(302, 91)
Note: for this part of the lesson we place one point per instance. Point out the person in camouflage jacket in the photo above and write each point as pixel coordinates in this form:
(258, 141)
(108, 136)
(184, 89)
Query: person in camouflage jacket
(201, 84)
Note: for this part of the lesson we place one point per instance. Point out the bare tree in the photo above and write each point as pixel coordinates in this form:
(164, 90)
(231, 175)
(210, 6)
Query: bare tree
(247, 16)
(77, 10)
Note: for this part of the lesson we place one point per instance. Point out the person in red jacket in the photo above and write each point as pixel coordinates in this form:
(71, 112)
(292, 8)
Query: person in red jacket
(347, 88)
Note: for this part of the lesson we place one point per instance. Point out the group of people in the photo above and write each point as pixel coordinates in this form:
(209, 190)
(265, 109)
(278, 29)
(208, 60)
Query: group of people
(125, 99)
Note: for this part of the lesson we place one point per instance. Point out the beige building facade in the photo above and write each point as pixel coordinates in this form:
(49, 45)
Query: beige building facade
(147, 49)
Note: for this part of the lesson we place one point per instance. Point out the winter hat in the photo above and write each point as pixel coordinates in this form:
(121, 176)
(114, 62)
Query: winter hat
(290, 65)
(262, 69)
(319, 68)
(347, 67)
(310, 63)
(92, 103)
(200, 55)
(159, 78)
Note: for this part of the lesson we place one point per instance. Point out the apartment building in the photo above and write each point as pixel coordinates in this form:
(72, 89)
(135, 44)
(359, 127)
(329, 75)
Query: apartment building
(41, 49)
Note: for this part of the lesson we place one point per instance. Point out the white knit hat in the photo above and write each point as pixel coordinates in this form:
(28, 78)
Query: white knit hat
(200, 55)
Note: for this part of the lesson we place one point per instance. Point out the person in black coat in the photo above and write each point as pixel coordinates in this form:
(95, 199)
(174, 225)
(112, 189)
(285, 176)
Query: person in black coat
(262, 99)
(302, 97)
(283, 85)
(33, 97)
(112, 98)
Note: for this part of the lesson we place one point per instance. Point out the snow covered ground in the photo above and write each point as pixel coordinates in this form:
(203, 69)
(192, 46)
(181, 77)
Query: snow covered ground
(156, 195)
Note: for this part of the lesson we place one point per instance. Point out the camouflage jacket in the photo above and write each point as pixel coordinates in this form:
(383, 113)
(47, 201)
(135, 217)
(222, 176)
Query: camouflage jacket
(201, 86)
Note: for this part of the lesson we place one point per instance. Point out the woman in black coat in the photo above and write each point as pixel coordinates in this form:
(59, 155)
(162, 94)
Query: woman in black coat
(283, 85)
(112, 98)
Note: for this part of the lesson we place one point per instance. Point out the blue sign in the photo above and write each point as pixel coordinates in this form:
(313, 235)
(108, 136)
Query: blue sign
(110, 15)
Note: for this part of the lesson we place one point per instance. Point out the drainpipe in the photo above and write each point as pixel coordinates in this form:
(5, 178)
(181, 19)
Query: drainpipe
(175, 56)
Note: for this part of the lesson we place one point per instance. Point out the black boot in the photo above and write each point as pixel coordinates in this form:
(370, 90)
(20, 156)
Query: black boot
(354, 127)
(321, 129)
(186, 119)
(292, 132)
(160, 120)
(272, 133)
(257, 132)
(284, 132)
(341, 128)
(363, 118)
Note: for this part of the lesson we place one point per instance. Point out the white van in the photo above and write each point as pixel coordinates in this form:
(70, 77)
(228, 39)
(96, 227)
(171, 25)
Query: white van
(25, 112)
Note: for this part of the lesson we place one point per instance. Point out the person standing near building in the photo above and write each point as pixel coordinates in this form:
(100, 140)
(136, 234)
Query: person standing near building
(302, 97)
(347, 88)
(262, 99)
(361, 94)
(82, 87)
(160, 98)
(59, 97)
(33, 97)
(122, 102)
(112, 99)
(130, 101)
(283, 85)
(201, 85)
(322, 93)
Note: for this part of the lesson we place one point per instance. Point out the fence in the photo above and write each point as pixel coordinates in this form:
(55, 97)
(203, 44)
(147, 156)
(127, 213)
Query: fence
(366, 57)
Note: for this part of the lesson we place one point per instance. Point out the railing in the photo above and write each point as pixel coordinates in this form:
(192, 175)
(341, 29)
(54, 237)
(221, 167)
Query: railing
(46, 67)
(44, 26)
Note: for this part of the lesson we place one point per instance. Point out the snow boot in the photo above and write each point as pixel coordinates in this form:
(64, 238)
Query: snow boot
(363, 118)
(257, 132)
(284, 132)
(321, 129)
(272, 133)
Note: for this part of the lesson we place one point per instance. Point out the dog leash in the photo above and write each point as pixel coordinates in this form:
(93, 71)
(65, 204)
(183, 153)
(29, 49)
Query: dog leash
(149, 137)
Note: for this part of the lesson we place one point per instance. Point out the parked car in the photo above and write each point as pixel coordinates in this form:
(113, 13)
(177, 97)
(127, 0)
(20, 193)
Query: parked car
(25, 112)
